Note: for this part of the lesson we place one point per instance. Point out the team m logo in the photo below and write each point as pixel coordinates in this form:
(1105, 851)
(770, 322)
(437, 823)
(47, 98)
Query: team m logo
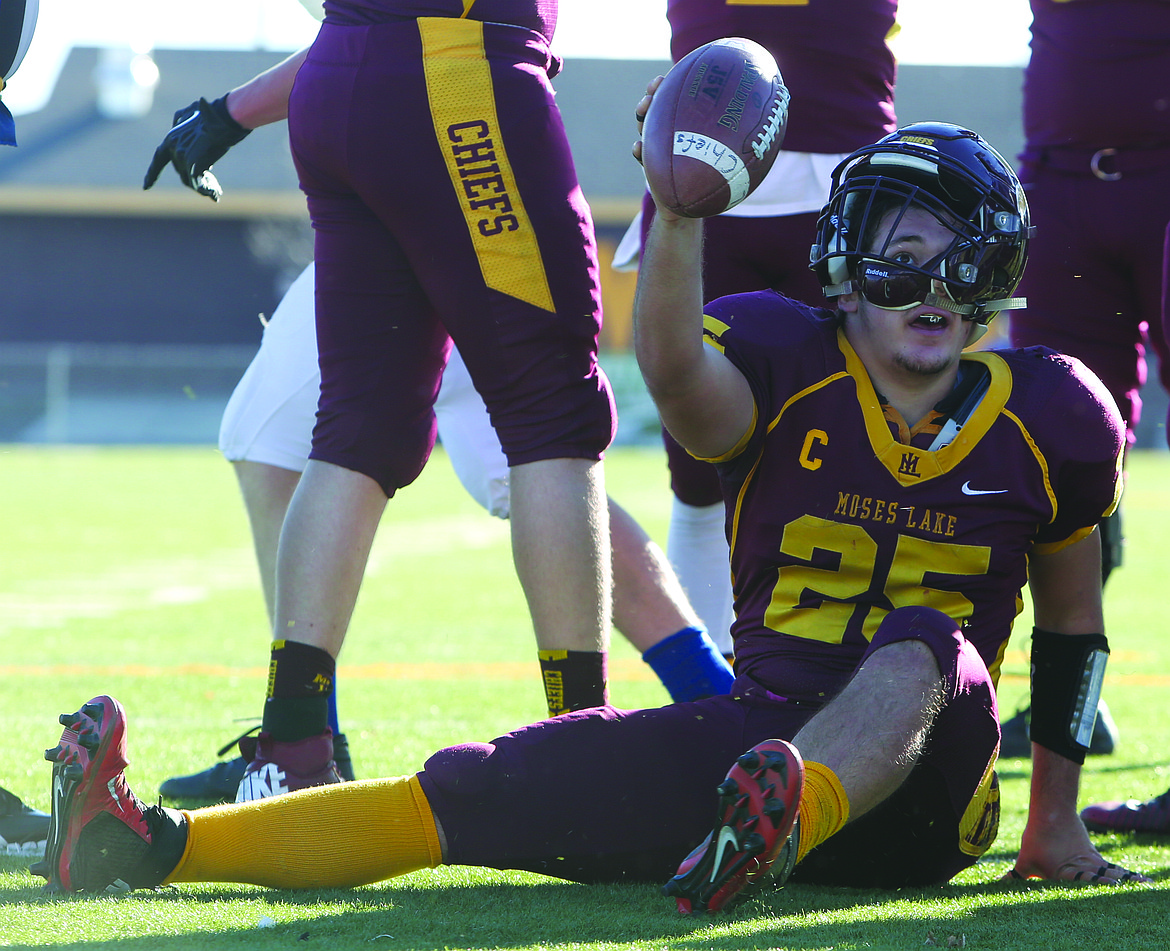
(909, 466)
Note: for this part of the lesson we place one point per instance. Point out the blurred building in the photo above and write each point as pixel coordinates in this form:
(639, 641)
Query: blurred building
(114, 295)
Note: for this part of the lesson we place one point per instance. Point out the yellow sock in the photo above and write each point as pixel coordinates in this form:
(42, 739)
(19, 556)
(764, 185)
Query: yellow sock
(824, 807)
(324, 837)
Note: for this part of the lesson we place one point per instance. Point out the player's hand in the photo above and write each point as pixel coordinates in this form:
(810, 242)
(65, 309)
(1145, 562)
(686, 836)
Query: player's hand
(640, 111)
(200, 136)
(1065, 853)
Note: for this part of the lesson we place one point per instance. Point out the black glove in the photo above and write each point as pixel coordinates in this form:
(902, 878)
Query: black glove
(201, 135)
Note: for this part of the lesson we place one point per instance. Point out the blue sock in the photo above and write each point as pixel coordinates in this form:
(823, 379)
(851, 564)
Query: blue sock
(690, 666)
(333, 710)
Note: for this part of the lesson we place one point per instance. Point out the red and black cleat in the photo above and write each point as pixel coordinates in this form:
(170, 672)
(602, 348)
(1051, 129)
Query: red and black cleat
(753, 840)
(101, 837)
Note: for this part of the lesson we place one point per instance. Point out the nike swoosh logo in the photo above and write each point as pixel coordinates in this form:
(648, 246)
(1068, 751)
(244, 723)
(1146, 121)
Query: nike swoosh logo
(967, 490)
(726, 838)
(58, 797)
(191, 118)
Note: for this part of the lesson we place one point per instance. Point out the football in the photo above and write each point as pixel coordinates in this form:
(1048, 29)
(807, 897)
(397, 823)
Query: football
(714, 127)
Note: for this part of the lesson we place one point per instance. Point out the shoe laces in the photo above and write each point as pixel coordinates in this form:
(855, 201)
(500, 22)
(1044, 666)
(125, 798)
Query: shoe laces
(224, 750)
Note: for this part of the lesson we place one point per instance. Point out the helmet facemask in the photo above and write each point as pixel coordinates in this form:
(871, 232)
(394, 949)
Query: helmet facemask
(965, 185)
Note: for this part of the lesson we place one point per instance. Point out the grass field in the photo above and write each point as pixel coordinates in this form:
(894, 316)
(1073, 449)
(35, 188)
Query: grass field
(129, 571)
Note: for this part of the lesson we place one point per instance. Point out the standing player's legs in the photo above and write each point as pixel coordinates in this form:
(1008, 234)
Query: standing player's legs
(650, 608)
(381, 352)
(1134, 815)
(266, 434)
(1094, 284)
(509, 219)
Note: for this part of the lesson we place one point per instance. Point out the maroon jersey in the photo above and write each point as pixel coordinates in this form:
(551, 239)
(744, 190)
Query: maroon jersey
(1099, 74)
(832, 53)
(538, 15)
(833, 523)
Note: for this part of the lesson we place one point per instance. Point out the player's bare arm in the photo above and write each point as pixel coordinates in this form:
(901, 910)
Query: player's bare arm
(702, 397)
(1066, 595)
(263, 99)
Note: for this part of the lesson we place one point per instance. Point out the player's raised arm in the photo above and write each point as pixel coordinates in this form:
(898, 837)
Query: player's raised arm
(702, 397)
(1068, 661)
(203, 132)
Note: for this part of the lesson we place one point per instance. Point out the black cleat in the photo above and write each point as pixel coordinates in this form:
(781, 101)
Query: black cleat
(23, 830)
(220, 781)
(1015, 736)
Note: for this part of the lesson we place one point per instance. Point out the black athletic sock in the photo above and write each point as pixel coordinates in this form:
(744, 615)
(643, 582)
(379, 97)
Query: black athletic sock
(300, 680)
(573, 680)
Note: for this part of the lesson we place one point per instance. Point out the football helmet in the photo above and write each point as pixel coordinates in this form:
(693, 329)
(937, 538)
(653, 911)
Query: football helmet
(962, 181)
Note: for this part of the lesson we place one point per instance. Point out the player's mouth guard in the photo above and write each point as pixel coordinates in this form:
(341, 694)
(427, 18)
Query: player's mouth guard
(1067, 674)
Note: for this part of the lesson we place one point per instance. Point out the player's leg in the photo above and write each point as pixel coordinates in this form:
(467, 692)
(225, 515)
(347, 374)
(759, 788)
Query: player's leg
(477, 804)
(917, 653)
(266, 435)
(103, 838)
(267, 425)
(650, 608)
(525, 315)
(852, 770)
(267, 491)
(381, 353)
(1134, 815)
(334, 513)
(696, 541)
(560, 546)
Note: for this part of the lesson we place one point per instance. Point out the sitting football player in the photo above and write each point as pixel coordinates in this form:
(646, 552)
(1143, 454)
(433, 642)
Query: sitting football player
(893, 494)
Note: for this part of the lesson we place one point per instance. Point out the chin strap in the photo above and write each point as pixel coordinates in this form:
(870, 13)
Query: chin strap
(1004, 303)
(945, 303)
